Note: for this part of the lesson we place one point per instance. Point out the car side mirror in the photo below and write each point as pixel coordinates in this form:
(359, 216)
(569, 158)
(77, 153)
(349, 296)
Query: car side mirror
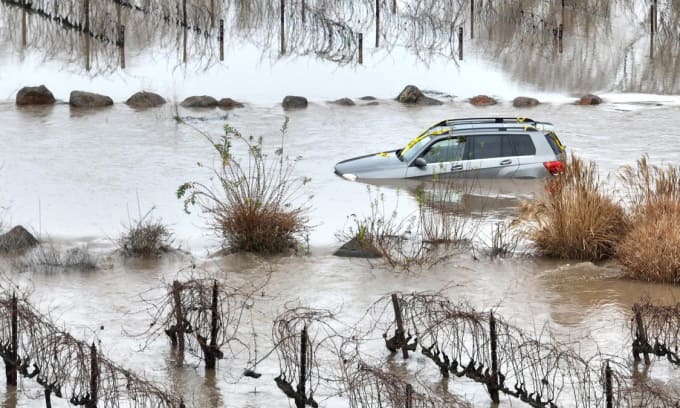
(420, 163)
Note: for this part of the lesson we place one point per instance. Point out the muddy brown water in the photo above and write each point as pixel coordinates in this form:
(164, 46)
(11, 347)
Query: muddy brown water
(76, 177)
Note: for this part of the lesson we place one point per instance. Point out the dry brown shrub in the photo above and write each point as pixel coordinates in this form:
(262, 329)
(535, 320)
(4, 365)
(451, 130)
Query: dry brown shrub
(651, 251)
(578, 218)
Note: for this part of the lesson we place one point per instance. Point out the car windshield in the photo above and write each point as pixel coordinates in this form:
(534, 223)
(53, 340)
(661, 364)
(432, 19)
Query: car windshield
(414, 146)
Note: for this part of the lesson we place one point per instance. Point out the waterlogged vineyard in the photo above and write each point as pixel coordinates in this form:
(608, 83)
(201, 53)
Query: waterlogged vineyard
(537, 41)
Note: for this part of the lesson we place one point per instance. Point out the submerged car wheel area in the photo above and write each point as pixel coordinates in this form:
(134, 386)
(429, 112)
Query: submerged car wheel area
(469, 147)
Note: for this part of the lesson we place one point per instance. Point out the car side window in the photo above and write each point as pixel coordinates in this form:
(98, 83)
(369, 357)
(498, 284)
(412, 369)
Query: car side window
(518, 145)
(446, 150)
(486, 147)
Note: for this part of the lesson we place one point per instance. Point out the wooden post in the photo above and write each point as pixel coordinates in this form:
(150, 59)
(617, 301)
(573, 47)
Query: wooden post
(86, 26)
(179, 315)
(210, 353)
(361, 48)
(94, 377)
(492, 386)
(472, 19)
(283, 27)
(303, 8)
(394, 6)
(409, 396)
(609, 393)
(377, 23)
(640, 333)
(24, 28)
(300, 399)
(560, 35)
(11, 359)
(651, 32)
(400, 325)
(656, 16)
(48, 398)
(121, 39)
(221, 36)
(460, 43)
(56, 8)
(212, 13)
(186, 28)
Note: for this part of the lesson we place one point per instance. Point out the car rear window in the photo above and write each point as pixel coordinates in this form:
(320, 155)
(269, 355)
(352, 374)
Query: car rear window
(518, 145)
(553, 143)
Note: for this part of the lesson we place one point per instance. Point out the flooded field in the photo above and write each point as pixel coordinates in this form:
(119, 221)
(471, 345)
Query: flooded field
(78, 177)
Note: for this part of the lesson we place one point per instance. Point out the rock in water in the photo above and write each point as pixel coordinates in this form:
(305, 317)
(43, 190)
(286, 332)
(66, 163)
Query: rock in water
(35, 95)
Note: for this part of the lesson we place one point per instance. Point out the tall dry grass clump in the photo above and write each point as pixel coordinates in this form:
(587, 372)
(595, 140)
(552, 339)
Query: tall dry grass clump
(578, 218)
(651, 250)
(254, 202)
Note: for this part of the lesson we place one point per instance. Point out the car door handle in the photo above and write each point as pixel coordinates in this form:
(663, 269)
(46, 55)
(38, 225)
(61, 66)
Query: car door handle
(506, 162)
(457, 167)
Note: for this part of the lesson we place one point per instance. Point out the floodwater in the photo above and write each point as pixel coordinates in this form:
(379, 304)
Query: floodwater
(78, 177)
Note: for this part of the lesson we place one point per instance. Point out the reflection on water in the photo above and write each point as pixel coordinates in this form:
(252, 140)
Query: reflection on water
(585, 45)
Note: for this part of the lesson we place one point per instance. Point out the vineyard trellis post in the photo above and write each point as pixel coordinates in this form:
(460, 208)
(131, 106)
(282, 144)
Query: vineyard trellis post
(300, 399)
(651, 31)
(609, 393)
(283, 27)
(94, 378)
(377, 23)
(24, 28)
(177, 335)
(409, 396)
(185, 29)
(303, 11)
(460, 43)
(641, 334)
(492, 385)
(121, 45)
(210, 350)
(212, 13)
(472, 19)
(560, 35)
(361, 48)
(399, 335)
(10, 355)
(221, 38)
(394, 6)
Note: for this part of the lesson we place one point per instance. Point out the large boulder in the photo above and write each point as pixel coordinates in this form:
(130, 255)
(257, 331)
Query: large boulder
(483, 100)
(143, 100)
(202, 101)
(343, 102)
(35, 95)
(228, 103)
(355, 249)
(524, 102)
(17, 239)
(411, 95)
(82, 99)
(589, 99)
(294, 102)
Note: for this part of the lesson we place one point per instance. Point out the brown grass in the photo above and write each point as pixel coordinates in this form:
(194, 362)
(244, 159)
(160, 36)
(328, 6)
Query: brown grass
(651, 251)
(577, 219)
(255, 202)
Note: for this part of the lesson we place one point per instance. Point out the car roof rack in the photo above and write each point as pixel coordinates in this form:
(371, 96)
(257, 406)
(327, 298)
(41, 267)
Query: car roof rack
(485, 120)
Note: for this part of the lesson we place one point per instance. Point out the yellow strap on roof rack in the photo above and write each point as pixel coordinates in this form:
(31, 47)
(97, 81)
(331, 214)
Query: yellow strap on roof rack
(521, 119)
(529, 127)
(383, 154)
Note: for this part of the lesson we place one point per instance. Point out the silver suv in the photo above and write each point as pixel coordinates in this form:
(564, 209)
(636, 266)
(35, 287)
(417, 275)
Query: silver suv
(468, 147)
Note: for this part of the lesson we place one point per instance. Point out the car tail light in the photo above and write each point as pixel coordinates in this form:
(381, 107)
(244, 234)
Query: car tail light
(554, 167)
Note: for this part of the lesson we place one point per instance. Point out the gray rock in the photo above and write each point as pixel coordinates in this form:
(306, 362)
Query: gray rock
(228, 103)
(203, 101)
(294, 102)
(17, 239)
(589, 99)
(355, 249)
(411, 95)
(343, 102)
(35, 95)
(81, 99)
(142, 100)
(368, 98)
(524, 102)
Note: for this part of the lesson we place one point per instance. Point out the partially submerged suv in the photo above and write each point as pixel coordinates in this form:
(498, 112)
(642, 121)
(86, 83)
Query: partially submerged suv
(469, 147)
